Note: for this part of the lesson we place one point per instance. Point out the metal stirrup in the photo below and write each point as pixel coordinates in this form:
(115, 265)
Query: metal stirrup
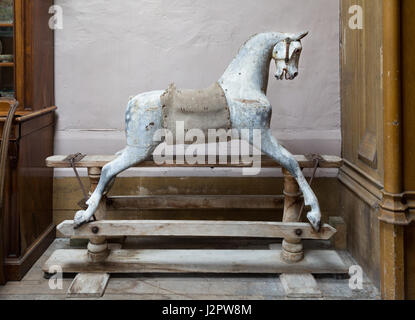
(72, 159)
(316, 159)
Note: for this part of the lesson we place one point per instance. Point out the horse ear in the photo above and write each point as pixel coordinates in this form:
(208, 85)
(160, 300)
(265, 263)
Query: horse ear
(300, 35)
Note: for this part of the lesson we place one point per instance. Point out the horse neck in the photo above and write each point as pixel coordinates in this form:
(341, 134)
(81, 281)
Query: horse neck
(249, 70)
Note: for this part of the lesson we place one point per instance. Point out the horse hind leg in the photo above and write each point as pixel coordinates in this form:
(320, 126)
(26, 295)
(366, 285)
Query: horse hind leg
(143, 119)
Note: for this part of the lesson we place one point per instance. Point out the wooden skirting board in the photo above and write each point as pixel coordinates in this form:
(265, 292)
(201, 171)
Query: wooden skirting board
(197, 261)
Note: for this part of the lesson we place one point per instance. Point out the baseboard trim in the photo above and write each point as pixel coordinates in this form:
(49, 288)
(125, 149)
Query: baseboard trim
(362, 185)
(16, 269)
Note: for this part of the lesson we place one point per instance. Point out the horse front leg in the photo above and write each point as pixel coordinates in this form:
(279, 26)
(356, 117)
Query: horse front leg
(129, 157)
(271, 147)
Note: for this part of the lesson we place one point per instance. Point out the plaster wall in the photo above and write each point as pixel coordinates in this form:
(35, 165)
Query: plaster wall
(108, 51)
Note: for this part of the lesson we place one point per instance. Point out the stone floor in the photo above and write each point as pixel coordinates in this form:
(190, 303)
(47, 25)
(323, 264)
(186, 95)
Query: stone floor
(182, 287)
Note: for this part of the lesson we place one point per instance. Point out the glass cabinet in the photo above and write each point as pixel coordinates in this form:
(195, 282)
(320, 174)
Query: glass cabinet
(7, 81)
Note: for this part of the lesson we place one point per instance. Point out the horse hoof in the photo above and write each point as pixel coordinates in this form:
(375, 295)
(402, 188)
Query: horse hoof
(79, 219)
(315, 222)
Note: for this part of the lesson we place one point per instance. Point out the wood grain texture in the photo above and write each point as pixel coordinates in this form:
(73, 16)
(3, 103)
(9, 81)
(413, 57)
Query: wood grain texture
(183, 287)
(363, 233)
(339, 241)
(197, 261)
(28, 206)
(408, 102)
(67, 193)
(292, 247)
(99, 161)
(254, 229)
(300, 286)
(410, 262)
(392, 256)
(362, 132)
(167, 202)
(361, 86)
(88, 285)
(408, 93)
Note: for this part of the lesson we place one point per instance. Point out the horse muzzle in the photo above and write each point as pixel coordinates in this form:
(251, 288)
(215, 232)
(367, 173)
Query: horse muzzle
(285, 74)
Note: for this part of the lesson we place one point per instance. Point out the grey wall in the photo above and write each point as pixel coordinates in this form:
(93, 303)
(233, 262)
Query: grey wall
(110, 50)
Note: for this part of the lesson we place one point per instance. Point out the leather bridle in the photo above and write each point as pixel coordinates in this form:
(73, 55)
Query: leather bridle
(287, 49)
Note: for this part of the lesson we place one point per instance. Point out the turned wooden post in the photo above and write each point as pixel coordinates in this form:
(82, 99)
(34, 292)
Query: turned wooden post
(97, 246)
(292, 249)
(94, 175)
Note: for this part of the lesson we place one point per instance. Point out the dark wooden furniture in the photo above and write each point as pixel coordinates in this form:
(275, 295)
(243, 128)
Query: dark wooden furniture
(28, 77)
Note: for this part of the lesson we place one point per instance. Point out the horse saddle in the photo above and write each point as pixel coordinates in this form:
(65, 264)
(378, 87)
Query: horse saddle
(198, 109)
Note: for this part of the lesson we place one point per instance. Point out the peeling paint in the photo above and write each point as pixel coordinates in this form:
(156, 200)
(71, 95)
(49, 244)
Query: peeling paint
(246, 79)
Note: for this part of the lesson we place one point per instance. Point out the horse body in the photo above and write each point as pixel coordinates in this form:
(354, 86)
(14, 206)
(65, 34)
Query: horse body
(244, 84)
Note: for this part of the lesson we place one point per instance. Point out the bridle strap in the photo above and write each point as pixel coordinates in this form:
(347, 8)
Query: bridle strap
(287, 48)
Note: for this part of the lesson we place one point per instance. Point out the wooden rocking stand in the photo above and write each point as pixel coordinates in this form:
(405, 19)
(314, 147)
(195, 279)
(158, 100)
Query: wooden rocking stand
(288, 258)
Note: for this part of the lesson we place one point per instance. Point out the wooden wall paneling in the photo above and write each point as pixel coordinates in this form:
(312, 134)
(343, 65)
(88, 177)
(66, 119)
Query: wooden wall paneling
(408, 100)
(373, 120)
(363, 231)
(392, 258)
(410, 262)
(377, 78)
(361, 88)
(362, 132)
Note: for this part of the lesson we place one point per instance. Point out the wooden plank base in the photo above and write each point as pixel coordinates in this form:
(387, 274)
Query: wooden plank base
(197, 261)
(299, 286)
(180, 228)
(88, 285)
(98, 161)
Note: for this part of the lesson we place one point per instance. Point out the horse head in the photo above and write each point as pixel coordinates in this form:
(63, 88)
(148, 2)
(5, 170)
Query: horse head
(286, 54)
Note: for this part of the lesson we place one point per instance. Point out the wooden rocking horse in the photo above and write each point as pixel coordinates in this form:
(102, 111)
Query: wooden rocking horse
(238, 101)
